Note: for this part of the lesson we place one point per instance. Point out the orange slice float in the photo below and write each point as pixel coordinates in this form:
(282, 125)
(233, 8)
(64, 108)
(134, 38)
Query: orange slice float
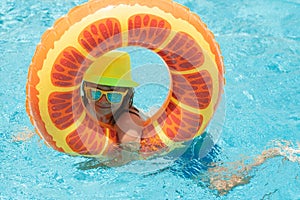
(90, 30)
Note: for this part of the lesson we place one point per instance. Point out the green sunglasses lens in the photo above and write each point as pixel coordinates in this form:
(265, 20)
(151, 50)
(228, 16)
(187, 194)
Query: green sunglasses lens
(114, 97)
(95, 94)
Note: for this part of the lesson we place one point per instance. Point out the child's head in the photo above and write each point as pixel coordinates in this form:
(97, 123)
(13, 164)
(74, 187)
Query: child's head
(108, 85)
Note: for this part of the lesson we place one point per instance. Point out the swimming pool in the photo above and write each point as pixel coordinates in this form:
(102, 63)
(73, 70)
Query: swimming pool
(260, 43)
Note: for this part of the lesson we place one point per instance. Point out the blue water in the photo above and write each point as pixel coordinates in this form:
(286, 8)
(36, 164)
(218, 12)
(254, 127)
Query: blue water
(260, 43)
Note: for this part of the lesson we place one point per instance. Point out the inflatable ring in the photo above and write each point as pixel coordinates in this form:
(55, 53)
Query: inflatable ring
(66, 51)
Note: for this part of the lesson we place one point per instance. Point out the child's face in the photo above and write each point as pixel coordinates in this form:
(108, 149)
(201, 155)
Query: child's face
(104, 100)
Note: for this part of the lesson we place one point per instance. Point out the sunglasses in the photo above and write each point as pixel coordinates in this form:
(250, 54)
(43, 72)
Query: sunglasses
(113, 97)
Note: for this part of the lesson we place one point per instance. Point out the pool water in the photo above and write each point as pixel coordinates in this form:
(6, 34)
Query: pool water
(260, 43)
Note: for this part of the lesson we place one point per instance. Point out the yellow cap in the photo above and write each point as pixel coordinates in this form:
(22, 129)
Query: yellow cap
(112, 69)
